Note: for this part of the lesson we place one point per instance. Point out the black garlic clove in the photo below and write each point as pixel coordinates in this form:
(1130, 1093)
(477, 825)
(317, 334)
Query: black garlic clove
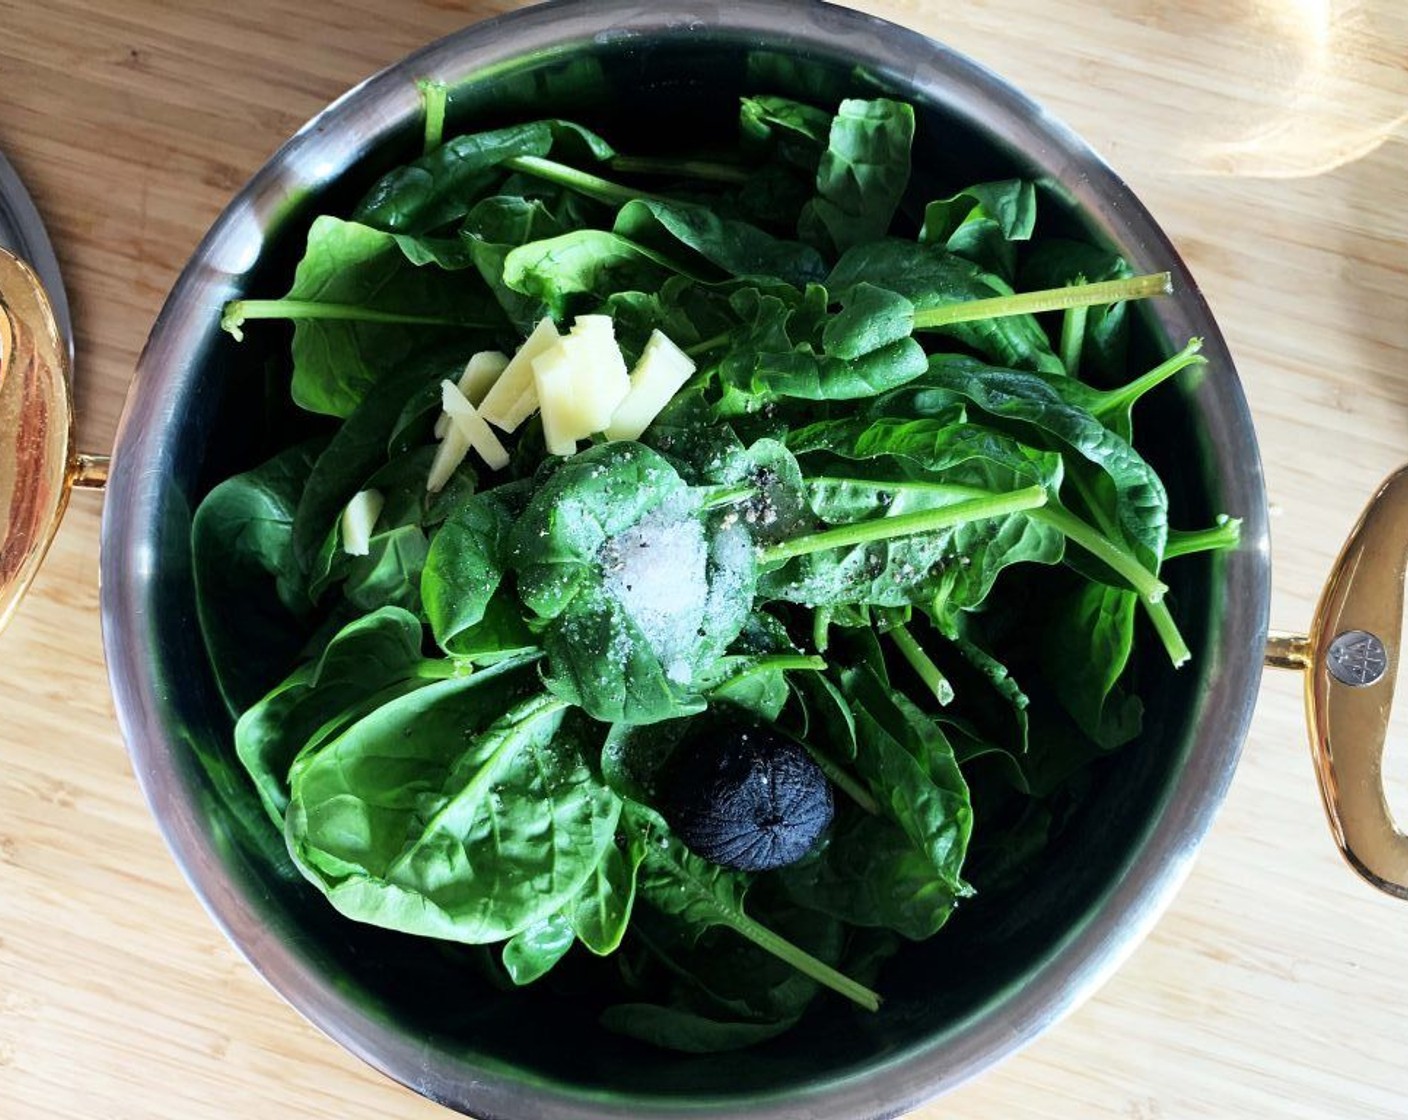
(747, 798)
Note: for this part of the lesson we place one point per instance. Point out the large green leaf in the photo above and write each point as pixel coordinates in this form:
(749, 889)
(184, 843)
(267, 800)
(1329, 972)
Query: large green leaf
(250, 589)
(862, 175)
(360, 307)
(460, 811)
(370, 661)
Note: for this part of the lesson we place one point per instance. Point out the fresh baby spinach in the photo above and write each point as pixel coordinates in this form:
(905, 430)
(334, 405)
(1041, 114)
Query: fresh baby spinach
(891, 524)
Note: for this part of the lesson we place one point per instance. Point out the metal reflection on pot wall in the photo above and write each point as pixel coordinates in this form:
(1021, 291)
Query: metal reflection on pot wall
(585, 55)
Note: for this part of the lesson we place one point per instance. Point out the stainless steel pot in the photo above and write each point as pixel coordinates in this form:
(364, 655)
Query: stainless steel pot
(960, 1003)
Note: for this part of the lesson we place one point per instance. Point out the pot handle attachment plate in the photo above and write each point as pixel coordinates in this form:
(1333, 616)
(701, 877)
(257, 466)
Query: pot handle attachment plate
(38, 464)
(1350, 660)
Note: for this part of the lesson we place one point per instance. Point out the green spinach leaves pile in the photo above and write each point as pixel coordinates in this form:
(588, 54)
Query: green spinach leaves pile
(911, 534)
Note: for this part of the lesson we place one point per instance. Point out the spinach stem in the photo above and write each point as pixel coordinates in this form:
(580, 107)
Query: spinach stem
(1227, 533)
(771, 662)
(803, 961)
(1048, 299)
(907, 524)
(1073, 335)
(727, 495)
(707, 345)
(583, 182)
(1145, 583)
(435, 95)
(1067, 523)
(1167, 630)
(239, 311)
(923, 665)
(710, 170)
(1125, 395)
(1156, 609)
(1147, 586)
(842, 781)
(821, 628)
(442, 668)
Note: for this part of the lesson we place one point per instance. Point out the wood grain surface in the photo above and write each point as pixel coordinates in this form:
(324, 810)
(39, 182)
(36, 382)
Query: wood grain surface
(1266, 135)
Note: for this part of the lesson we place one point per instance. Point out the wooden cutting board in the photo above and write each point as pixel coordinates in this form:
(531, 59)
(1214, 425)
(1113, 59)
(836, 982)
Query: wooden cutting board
(1265, 135)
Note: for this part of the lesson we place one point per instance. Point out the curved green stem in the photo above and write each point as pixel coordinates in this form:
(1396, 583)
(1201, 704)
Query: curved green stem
(727, 495)
(1227, 533)
(1115, 399)
(821, 628)
(707, 345)
(1145, 583)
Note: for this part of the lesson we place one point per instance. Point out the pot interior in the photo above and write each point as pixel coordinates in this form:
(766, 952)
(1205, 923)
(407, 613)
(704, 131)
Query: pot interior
(230, 410)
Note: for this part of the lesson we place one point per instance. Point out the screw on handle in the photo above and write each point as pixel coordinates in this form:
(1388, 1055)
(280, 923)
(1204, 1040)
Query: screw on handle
(37, 462)
(1350, 660)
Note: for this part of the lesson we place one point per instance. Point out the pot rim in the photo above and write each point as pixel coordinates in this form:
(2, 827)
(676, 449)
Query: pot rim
(344, 132)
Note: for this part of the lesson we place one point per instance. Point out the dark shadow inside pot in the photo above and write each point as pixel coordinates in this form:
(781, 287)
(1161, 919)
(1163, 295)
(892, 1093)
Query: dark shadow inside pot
(676, 95)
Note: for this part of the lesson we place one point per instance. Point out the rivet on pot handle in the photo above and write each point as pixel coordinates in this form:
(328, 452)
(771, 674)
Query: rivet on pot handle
(38, 464)
(1351, 660)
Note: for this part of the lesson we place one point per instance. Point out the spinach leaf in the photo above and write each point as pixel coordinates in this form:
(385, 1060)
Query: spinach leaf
(355, 453)
(602, 910)
(531, 953)
(756, 379)
(635, 756)
(902, 869)
(701, 895)
(590, 261)
(1035, 405)
(637, 585)
(930, 277)
(716, 991)
(870, 875)
(459, 811)
(360, 307)
(1055, 262)
(442, 185)
(862, 174)
(982, 222)
(740, 249)
(250, 590)
(1087, 641)
(788, 131)
(501, 634)
(466, 562)
(371, 660)
(494, 227)
(872, 319)
(911, 465)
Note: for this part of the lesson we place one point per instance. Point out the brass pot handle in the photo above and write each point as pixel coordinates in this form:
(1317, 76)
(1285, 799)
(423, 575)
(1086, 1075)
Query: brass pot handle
(38, 464)
(1350, 661)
